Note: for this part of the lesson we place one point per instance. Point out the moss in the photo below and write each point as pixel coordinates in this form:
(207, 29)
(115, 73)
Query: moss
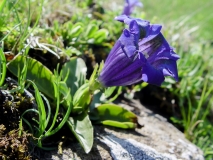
(13, 146)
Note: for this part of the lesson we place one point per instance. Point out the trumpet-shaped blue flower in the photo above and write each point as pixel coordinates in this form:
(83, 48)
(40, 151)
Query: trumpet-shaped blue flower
(129, 6)
(140, 54)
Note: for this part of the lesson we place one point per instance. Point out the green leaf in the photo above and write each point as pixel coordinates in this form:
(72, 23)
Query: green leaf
(2, 67)
(65, 91)
(91, 30)
(82, 129)
(76, 30)
(36, 72)
(42, 77)
(114, 115)
(108, 91)
(93, 76)
(76, 68)
(124, 125)
(62, 88)
(140, 86)
(177, 121)
(100, 35)
(41, 109)
(97, 99)
(72, 51)
(81, 99)
(2, 4)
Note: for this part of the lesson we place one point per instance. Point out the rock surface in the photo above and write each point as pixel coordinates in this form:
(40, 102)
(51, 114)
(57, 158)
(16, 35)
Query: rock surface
(158, 139)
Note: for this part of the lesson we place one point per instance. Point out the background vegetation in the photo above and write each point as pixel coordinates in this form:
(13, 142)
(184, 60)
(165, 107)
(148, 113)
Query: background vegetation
(188, 24)
(51, 31)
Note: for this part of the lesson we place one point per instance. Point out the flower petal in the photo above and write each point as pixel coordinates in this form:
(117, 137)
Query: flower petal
(152, 41)
(149, 73)
(134, 28)
(153, 31)
(121, 72)
(152, 75)
(114, 51)
(129, 43)
(168, 67)
(122, 18)
(157, 48)
(125, 19)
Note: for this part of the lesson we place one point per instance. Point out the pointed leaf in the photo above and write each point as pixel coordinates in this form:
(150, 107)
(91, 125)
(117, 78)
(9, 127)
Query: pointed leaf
(124, 125)
(101, 35)
(76, 30)
(82, 99)
(91, 30)
(114, 115)
(65, 91)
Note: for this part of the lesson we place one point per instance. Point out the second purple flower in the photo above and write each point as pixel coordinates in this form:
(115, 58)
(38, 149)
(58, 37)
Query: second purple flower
(130, 5)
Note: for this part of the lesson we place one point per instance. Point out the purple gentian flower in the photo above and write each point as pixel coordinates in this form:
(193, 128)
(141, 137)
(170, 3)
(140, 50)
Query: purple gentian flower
(140, 54)
(129, 6)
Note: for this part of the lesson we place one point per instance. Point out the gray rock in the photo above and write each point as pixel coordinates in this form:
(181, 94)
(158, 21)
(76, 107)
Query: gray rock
(130, 149)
